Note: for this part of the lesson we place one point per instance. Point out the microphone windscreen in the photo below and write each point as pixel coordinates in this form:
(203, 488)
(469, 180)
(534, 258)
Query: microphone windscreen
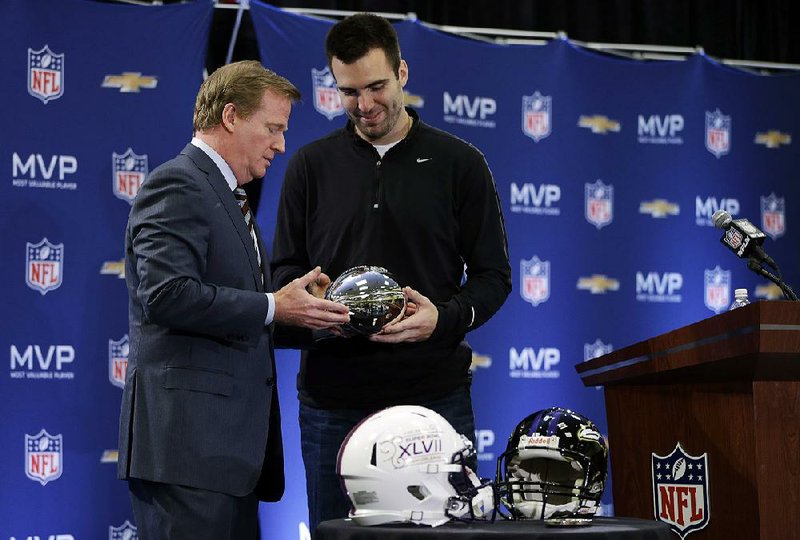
(721, 219)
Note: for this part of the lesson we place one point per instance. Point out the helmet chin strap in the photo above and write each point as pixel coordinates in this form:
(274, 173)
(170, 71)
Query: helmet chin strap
(481, 503)
(542, 510)
(538, 509)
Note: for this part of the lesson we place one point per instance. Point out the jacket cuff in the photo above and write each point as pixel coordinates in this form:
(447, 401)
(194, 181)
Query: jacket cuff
(449, 322)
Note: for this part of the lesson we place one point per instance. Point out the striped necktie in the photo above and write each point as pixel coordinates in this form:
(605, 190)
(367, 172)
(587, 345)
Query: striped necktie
(244, 206)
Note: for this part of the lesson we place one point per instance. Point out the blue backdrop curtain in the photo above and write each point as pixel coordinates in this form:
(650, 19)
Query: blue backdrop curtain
(608, 171)
(94, 95)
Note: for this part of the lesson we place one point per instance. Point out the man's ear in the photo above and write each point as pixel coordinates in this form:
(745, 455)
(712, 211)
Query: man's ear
(229, 116)
(402, 73)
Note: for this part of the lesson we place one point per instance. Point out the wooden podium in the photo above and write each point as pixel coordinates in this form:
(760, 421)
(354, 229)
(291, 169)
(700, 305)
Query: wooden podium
(728, 386)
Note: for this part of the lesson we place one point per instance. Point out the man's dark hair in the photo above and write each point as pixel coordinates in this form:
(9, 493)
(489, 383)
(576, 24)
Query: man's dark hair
(353, 37)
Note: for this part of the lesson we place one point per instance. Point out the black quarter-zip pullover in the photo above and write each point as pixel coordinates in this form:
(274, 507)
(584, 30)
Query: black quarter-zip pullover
(426, 211)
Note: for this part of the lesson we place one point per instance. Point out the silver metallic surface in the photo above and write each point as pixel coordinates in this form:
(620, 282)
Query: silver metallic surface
(373, 296)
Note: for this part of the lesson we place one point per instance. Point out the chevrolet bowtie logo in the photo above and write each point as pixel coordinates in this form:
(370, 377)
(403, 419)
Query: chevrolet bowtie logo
(598, 284)
(114, 268)
(130, 81)
(413, 100)
(773, 138)
(598, 123)
(480, 360)
(769, 291)
(659, 208)
(109, 456)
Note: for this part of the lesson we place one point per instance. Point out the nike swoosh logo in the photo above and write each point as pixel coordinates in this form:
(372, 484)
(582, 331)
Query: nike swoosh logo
(423, 160)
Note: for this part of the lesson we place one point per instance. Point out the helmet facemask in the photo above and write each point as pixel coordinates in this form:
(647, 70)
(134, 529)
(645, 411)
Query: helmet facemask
(548, 486)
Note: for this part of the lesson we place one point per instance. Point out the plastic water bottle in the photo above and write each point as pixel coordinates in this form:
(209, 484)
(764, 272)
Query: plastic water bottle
(739, 298)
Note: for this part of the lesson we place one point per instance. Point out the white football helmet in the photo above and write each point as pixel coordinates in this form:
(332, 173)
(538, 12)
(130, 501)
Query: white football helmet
(406, 464)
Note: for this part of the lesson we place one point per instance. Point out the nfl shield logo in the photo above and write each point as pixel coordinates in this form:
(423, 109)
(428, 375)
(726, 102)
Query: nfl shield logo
(599, 209)
(129, 171)
(680, 491)
(45, 74)
(118, 361)
(43, 457)
(718, 133)
(43, 265)
(717, 289)
(595, 350)
(773, 215)
(536, 111)
(126, 531)
(326, 96)
(535, 280)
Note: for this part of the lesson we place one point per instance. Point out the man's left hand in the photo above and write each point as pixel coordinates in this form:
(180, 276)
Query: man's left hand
(318, 287)
(416, 326)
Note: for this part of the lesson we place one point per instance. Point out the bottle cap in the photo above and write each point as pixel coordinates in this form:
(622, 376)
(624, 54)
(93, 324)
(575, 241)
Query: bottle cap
(740, 292)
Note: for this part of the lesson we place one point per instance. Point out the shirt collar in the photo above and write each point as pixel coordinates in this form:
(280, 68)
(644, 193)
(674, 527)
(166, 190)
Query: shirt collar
(221, 164)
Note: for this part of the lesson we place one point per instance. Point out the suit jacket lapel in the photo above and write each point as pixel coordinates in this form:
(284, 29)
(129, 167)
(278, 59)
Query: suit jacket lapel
(230, 205)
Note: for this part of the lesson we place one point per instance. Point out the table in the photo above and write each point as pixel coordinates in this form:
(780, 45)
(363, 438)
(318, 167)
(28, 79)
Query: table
(602, 528)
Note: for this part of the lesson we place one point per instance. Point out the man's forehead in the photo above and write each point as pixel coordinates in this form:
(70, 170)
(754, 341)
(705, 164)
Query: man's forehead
(371, 68)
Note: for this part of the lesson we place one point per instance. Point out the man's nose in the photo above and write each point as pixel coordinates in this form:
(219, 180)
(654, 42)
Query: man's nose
(280, 144)
(365, 101)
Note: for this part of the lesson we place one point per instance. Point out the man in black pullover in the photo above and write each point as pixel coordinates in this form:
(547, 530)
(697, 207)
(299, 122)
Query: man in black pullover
(388, 190)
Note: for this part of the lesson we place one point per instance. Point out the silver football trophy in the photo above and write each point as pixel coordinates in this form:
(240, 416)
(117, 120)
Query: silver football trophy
(373, 296)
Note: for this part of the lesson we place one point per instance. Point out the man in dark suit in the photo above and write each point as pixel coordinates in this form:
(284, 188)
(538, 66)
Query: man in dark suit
(200, 440)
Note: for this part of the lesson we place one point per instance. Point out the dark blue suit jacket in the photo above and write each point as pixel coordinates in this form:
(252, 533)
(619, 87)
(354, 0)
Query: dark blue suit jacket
(200, 406)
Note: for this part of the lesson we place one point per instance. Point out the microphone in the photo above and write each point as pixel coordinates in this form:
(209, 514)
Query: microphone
(742, 237)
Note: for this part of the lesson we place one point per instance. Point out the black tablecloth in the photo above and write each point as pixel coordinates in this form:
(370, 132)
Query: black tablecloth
(605, 528)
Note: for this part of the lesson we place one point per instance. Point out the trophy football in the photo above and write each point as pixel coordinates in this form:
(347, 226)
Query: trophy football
(373, 296)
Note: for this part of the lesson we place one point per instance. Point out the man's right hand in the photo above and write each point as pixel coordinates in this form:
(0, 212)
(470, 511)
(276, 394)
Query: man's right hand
(295, 306)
